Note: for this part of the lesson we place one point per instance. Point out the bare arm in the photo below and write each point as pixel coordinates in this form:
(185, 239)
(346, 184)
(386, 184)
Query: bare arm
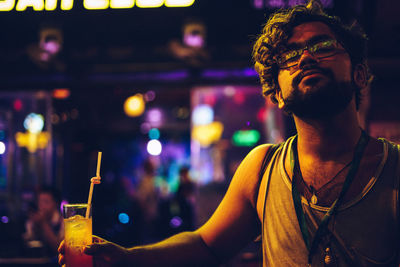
(184, 249)
(235, 222)
(233, 225)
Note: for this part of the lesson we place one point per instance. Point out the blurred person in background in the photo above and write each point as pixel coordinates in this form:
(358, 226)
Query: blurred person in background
(45, 224)
(176, 213)
(147, 196)
(185, 196)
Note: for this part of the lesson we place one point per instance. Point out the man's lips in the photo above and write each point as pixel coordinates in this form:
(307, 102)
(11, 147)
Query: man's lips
(310, 74)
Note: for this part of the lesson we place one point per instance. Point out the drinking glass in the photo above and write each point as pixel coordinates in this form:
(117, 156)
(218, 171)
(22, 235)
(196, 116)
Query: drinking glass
(78, 234)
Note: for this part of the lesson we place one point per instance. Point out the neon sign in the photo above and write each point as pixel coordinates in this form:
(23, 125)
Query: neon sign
(49, 5)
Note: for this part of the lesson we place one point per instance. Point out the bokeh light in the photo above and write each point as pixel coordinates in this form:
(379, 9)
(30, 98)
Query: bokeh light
(154, 147)
(155, 117)
(134, 106)
(61, 93)
(246, 137)
(207, 134)
(182, 113)
(17, 104)
(2, 148)
(154, 133)
(229, 91)
(4, 219)
(63, 202)
(149, 96)
(34, 123)
(202, 114)
(175, 222)
(123, 218)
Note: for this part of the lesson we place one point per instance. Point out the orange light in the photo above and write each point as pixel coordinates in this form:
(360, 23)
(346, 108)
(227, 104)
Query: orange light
(61, 93)
(32, 141)
(207, 134)
(134, 106)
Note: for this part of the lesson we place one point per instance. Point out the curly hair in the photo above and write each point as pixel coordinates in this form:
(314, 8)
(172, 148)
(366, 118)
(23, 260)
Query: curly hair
(278, 29)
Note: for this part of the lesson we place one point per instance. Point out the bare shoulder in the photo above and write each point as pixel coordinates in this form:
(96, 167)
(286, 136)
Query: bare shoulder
(246, 176)
(257, 153)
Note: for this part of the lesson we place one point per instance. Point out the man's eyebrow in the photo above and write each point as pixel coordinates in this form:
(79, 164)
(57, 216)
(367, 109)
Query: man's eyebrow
(312, 40)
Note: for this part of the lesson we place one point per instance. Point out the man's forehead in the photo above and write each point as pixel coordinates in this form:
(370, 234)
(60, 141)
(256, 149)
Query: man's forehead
(305, 31)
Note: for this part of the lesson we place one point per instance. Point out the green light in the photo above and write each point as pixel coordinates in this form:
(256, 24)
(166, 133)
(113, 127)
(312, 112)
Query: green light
(154, 133)
(3, 182)
(245, 137)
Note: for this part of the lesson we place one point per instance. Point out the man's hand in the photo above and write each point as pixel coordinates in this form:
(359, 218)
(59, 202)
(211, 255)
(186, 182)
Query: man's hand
(104, 253)
(61, 253)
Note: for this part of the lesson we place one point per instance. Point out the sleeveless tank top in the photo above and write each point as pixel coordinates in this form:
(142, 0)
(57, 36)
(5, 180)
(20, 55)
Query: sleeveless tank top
(365, 230)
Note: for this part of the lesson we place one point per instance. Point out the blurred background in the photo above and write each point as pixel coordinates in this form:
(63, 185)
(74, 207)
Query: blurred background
(165, 89)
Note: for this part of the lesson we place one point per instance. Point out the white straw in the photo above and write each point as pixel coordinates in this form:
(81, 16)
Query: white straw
(92, 183)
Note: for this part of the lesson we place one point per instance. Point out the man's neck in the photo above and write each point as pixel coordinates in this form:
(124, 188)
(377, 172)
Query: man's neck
(328, 138)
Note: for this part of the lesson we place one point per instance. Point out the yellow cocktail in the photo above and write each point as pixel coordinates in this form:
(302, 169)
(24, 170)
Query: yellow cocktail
(78, 234)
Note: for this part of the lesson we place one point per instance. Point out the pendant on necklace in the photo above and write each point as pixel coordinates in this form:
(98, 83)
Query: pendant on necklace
(328, 259)
(314, 199)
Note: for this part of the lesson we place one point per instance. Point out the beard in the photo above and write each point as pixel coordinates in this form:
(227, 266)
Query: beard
(321, 100)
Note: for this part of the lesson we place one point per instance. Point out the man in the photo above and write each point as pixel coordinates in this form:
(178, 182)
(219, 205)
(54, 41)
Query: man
(328, 196)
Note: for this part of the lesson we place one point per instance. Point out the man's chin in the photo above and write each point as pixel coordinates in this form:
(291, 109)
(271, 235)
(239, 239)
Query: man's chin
(317, 113)
(325, 108)
(313, 83)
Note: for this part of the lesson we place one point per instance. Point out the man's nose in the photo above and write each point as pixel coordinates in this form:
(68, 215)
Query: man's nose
(307, 58)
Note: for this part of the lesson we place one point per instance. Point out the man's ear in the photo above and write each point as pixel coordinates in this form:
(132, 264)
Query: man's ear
(360, 76)
(279, 97)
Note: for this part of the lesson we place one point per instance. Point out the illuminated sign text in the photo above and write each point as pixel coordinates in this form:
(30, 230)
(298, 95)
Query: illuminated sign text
(49, 5)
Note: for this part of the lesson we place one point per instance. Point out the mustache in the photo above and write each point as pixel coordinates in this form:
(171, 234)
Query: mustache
(296, 80)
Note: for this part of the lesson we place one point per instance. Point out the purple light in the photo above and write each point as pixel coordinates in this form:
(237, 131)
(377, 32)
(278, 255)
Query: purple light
(250, 72)
(220, 74)
(155, 117)
(159, 76)
(194, 40)
(149, 96)
(276, 3)
(175, 222)
(171, 76)
(258, 4)
(52, 47)
(296, 2)
(64, 202)
(248, 123)
(4, 219)
(329, 3)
